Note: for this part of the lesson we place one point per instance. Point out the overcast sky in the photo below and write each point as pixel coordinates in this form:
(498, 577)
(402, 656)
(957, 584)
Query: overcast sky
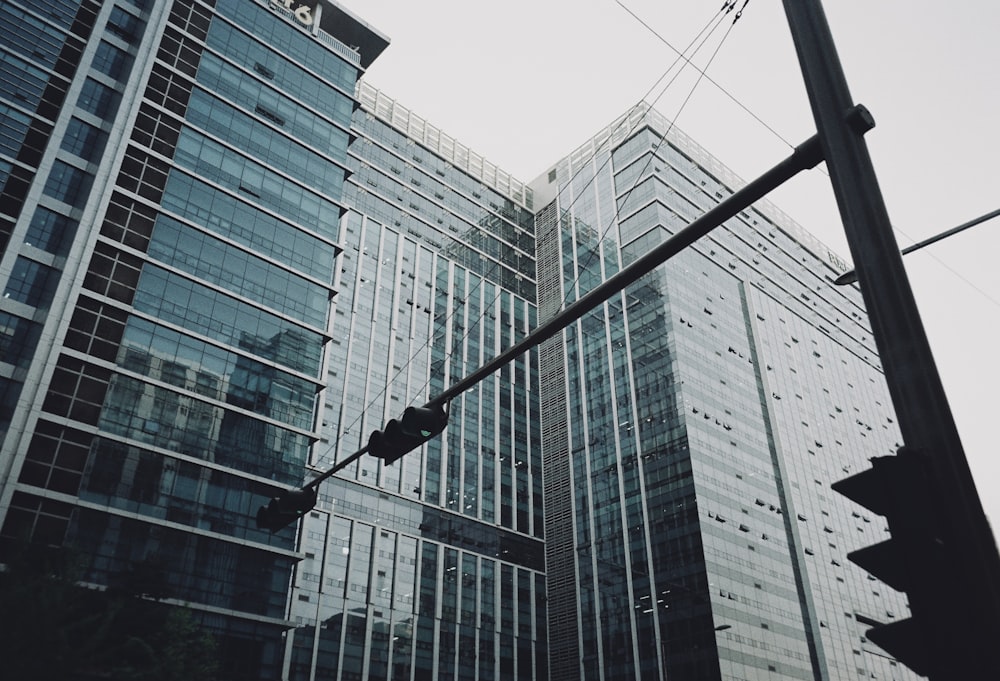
(524, 82)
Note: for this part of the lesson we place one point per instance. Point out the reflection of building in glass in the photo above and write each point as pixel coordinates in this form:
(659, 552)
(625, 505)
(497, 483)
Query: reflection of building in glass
(692, 427)
(180, 420)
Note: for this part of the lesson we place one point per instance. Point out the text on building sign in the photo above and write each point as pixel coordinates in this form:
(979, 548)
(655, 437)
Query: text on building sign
(302, 13)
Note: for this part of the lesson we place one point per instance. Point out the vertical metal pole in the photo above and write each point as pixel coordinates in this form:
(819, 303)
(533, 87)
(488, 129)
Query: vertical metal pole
(963, 623)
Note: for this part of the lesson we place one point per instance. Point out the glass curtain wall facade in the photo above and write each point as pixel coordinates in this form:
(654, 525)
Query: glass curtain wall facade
(177, 257)
(692, 427)
(431, 568)
(40, 52)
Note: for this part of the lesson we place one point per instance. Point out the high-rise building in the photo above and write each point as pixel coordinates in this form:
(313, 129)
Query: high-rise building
(171, 200)
(432, 568)
(691, 428)
(226, 262)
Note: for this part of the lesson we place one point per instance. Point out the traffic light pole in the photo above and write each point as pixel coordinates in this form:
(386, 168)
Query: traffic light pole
(851, 276)
(805, 156)
(962, 621)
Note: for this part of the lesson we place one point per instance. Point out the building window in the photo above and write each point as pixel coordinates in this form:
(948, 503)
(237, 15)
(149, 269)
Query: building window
(10, 391)
(49, 231)
(68, 184)
(83, 140)
(109, 60)
(31, 283)
(18, 339)
(123, 24)
(98, 99)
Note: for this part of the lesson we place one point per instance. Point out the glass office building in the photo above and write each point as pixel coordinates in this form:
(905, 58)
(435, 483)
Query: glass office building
(431, 568)
(172, 193)
(691, 428)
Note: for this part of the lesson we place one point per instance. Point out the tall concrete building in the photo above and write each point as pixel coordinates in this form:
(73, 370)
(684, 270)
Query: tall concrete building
(226, 261)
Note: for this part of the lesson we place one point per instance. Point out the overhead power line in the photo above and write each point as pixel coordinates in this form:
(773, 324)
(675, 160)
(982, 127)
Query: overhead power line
(851, 276)
(726, 8)
(708, 78)
(783, 139)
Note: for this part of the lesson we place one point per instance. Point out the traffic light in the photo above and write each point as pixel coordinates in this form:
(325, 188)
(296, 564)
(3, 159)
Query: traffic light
(913, 561)
(415, 427)
(286, 508)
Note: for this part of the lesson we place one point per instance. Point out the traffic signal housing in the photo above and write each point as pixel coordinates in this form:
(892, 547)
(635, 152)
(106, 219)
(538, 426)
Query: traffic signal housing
(286, 508)
(913, 561)
(403, 435)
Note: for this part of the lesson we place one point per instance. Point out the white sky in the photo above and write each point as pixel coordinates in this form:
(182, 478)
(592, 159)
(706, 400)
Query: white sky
(524, 82)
